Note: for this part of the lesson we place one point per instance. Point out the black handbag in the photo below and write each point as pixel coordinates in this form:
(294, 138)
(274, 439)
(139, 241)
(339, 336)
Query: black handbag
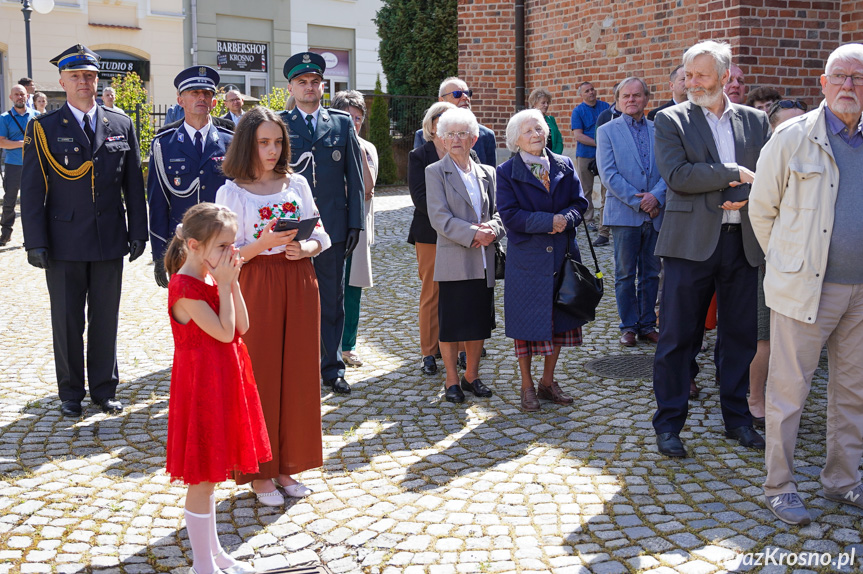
(578, 289)
(499, 261)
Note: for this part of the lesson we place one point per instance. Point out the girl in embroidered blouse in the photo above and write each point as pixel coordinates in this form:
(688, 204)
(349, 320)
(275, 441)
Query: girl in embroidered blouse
(281, 292)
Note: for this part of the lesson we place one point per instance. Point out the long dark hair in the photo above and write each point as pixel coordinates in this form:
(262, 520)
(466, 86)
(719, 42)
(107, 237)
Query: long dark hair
(201, 222)
(241, 161)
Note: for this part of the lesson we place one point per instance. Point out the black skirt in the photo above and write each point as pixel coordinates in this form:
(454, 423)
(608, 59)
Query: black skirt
(465, 310)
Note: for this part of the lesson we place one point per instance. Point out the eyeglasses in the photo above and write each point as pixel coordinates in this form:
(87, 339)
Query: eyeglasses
(459, 135)
(457, 94)
(839, 79)
(787, 105)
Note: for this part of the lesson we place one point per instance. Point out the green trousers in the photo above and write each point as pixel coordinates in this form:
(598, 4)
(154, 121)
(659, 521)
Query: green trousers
(352, 311)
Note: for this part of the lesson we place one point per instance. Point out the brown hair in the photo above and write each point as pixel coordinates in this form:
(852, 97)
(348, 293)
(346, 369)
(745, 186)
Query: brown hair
(241, 161)
(201, 222)
(536, 95)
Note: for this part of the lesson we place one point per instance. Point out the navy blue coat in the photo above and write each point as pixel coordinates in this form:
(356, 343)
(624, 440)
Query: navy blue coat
(77, 220)
(533, 255)
(182, 165)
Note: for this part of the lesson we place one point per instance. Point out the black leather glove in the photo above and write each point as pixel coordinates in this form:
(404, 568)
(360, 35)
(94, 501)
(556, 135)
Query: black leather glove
(38, 257)
(136, 249)
(351, 241)
(160, 273)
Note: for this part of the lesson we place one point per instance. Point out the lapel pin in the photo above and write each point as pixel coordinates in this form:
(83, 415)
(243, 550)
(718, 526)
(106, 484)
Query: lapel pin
(65, 121)
(105, 121)
(180, 137)
(177, 181)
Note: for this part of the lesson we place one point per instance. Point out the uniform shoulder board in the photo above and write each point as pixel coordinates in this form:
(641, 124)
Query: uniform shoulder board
(166, 132)
(48, 114)
(335, 111)
(115, 112)
(224, 130)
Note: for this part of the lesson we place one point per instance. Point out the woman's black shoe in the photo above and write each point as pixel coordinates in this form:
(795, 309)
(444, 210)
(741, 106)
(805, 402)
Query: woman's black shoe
(477, 387)
(454, 395)
(462, 360)
(429, 365)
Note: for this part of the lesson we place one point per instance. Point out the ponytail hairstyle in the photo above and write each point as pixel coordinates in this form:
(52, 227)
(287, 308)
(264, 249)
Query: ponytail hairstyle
(201, 222)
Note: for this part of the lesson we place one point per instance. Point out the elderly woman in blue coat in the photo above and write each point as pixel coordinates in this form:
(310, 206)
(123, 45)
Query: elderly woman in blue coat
(541, 203)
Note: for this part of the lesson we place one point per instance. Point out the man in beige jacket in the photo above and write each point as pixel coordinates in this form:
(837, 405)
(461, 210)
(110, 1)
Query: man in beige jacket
(805, 207)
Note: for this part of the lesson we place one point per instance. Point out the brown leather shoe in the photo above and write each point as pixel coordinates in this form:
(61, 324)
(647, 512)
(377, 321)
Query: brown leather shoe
(529, 402)
(652, 337)
(628, 339)
(553, 393)
(693, 389)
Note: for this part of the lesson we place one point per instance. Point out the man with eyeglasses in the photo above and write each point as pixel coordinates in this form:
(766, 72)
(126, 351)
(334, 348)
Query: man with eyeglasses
(455, 91)
(234, 101)
(805, 207)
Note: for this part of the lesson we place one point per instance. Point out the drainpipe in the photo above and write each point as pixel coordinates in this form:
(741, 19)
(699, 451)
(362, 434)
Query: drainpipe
(194, 32)
(519, 55)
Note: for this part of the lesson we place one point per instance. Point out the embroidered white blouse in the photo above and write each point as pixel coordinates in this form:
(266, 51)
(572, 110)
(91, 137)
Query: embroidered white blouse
(295, 201)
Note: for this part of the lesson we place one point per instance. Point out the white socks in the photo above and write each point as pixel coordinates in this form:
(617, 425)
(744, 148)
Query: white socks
(198, 528)
(221, 558)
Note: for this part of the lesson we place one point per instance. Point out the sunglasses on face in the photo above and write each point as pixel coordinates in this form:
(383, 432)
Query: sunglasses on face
(787, 105)
(457, 94)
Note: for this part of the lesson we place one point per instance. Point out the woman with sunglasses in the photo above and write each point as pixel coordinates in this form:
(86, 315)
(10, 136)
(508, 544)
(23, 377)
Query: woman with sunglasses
(784, 110)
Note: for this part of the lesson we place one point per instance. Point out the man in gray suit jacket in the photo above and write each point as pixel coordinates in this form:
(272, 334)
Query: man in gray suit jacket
(706, 150)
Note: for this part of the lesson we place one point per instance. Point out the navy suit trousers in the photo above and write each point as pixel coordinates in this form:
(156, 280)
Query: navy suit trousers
(686, 295)
(330, 269)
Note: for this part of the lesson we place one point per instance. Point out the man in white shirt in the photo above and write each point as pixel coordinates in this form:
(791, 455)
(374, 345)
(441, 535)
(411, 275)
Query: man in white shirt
(234, 101)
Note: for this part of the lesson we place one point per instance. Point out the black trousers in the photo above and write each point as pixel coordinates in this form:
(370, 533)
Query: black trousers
(330, 269)
(686, 295)
(11, 185)
(72, 286)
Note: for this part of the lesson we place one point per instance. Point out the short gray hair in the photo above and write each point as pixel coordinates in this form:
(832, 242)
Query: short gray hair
(106, 89)
(434, 111)
(628, 80)
(537, 95)
(451, 80)
(347, 98)
(719, 51)
(845, 52)
(513, 127)
(457, 117)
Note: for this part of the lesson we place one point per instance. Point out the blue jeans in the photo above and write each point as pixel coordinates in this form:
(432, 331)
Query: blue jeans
(633, 254)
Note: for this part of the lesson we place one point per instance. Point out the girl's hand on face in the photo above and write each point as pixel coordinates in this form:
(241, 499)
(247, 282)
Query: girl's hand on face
(236, 264)
(223, 271)
(270, 239)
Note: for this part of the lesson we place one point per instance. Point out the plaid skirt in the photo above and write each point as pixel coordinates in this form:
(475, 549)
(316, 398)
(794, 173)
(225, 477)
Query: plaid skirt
(571, 338)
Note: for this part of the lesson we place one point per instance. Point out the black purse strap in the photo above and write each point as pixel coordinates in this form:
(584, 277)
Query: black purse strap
(590, 244)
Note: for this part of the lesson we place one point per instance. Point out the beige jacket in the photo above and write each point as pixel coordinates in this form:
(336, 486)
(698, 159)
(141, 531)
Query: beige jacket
(791, 208)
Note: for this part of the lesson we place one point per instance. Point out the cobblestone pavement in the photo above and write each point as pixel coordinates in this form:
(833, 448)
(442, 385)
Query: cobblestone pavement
(411, 483)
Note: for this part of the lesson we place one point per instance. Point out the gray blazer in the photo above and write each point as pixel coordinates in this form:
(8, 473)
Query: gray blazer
(688, 161)
(452, 215)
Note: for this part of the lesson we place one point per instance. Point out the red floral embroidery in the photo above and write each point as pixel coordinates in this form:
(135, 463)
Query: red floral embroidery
(289, 207)
(266, 212)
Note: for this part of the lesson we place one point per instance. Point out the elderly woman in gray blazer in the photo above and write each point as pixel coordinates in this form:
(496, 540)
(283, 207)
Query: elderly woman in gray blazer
(461, 205)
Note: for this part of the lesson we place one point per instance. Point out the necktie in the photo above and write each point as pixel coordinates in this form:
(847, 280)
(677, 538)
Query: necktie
(88, 131)
(310, 124)
(199, 143)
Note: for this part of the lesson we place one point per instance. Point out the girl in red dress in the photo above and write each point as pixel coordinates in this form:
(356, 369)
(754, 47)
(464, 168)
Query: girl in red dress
(215, 422)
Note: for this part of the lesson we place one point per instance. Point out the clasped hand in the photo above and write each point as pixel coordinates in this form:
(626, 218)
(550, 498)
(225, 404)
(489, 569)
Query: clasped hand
(558, 224)
(484, 236)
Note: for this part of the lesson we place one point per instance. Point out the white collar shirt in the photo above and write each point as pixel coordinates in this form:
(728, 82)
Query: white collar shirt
(475, 192)
(192, 131)
(723, 137)
(79, 116)
(315, 115)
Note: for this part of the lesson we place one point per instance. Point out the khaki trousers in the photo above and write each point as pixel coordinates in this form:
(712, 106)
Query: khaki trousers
(586, 179)
(795, 348)
(428, 317)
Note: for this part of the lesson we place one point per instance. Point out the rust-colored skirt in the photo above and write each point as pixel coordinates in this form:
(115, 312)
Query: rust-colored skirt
(284, 343)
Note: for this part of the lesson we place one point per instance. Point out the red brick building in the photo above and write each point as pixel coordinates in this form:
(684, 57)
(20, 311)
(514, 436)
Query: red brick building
(781, 43)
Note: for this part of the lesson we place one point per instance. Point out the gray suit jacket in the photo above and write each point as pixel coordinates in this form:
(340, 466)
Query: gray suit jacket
(452, 215)
(689, 163)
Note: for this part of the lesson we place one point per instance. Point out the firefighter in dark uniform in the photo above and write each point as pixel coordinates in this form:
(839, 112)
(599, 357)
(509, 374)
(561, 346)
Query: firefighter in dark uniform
(82, 210)
(185, 161)
(325, 150)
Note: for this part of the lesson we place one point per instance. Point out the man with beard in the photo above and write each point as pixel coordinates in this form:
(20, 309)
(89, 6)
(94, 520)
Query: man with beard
(806, 212)
(12, 126)
(706, 151)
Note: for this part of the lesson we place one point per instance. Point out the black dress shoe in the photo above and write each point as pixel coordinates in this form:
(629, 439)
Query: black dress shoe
(477, 388)
(339, 385)
(110, 406)
(600, 241)
(429, 365)
(758, 422)
(70, 409)
(669, 444)
(454, 395)
(462, 360)
(746, 436)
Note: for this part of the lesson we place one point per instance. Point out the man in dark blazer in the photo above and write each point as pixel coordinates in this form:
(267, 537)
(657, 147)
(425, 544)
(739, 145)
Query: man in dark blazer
(677, 83)
(706, 151)
(325, 150)
(83, 209)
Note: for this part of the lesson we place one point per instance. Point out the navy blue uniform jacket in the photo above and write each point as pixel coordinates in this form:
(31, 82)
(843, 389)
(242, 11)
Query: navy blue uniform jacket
(72, 219)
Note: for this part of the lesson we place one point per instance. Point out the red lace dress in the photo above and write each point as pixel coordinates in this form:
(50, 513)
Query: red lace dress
(215, 422)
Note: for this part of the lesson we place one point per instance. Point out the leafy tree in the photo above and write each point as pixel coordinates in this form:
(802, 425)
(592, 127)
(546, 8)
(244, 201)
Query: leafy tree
(419, 44)
(379, 135)
(129, 91)
(275, 99)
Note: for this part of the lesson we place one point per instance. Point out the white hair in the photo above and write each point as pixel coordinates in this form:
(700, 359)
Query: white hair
(109, 89)
(844, 52)
(629, 80)
(719, 51)
(513, 127)
(457, 117)
(451, 80)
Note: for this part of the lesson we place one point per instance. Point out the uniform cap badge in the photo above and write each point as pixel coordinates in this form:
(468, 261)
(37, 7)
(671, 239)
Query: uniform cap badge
(306, 59)
(202, 71)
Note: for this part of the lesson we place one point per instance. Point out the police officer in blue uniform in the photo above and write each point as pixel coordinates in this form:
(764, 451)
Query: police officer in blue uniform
(326, 152)
(82, 210)
(185, 161)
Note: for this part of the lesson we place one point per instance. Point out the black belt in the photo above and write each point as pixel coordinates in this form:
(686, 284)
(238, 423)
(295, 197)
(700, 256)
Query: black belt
(730, 227)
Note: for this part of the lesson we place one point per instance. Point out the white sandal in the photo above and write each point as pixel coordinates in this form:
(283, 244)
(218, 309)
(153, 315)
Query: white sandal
(273, 498)
(298, 490)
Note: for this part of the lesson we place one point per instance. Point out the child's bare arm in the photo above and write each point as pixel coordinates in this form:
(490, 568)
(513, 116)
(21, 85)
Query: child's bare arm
(221, 327)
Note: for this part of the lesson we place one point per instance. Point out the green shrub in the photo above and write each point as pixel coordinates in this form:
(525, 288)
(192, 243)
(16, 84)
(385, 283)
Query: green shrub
(379, 135)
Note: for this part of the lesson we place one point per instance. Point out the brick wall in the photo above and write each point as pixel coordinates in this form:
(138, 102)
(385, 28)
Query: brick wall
(781, 43)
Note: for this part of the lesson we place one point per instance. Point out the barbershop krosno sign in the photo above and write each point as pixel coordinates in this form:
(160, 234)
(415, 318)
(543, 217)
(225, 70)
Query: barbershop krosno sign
(241, 56)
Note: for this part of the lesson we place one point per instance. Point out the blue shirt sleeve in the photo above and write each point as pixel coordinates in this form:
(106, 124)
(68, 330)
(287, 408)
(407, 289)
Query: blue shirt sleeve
(576, 122)
(4, 130)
